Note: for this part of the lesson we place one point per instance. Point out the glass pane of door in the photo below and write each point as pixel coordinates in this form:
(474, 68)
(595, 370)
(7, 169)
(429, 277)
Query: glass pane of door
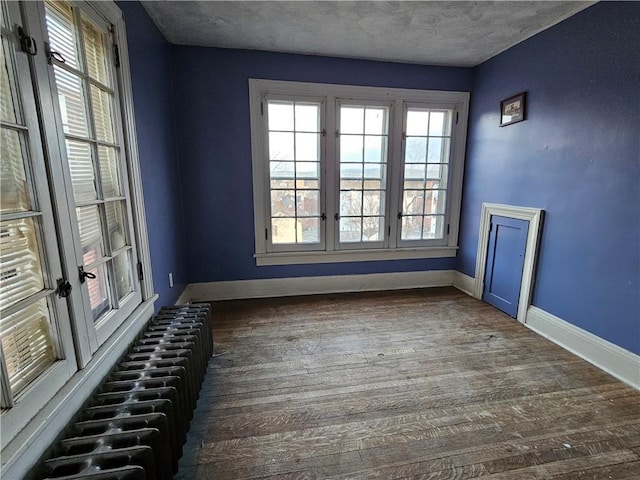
(294, 136)
(89, 108)
(363, 140)
(426, 163)
(28, 345)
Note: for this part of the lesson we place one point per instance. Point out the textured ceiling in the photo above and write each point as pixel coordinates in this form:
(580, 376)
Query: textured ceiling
(455, 33)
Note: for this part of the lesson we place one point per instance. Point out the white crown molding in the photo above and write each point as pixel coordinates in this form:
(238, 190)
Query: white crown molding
(611, 358)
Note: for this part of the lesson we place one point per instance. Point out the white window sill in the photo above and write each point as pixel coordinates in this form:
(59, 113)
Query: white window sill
(299, 258)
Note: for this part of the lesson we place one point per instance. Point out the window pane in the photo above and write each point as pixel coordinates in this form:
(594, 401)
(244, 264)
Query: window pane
(308, 230)
(433, 227)
(9, 103)
(280, 116)
(307, 118)
(90, 234)
(414, 172)
(351, 147)
(434, 201)
(99, 296)
(14, 195)
(374, 170)
(411, 227)
(122, 269)
(351, 203)
(307, 146)
(20, 271)
(372, 229)
(101, 103)
(414, 184)
(283, 230)
(350, 184)
(437, 171)
(61, 29)
(282, 184)
(282, 169)
(81, 170)
(351, 120)
(307, 183)
(413, 202)
(27, 344)
(373, 203)
(351, 170)
(375, 148)
(437, 124)
(307, 203)
(373, 184)
(307, 170)
(351, 229)
(95, 51)
(116, 223)
(417, 122)
(375, 121)
(72, 103)
(109, 174)
(283, 203)
(281, 146)
(438, 150)
(415, 150)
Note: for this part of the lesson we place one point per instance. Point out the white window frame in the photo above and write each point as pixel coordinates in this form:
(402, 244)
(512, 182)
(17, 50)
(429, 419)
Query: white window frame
(384, 243)
(392, 249)
(297, 247)
(46, 406)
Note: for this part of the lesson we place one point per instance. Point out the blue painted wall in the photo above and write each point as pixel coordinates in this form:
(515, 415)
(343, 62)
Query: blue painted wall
(214, 139)
(577, 156)
(150, 58)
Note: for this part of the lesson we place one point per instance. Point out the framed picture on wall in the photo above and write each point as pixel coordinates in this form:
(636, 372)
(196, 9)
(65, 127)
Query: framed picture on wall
(512, 110)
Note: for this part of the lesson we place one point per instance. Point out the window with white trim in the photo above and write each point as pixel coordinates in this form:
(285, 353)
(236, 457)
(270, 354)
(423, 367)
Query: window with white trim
(69, 245)
(347, 173)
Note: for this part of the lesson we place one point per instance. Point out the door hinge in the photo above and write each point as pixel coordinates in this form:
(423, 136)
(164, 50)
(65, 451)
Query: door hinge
(64, 288)
(262, 108)
(266, 234)
(116, 55)
(389, 231)
(337, 133)
(140, 272)
(457, 116)
(336, 216)
(490, 227)
(448, 228)
(27, 43)
(323, 216)
(324, 132)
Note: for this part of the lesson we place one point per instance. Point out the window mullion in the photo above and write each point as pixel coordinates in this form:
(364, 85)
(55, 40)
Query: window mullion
(331, 185)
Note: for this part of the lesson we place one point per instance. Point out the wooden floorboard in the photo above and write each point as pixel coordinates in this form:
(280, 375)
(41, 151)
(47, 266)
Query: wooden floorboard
(416, 384)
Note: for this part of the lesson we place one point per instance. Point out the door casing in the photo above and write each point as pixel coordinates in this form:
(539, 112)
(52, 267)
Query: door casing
(534, 216)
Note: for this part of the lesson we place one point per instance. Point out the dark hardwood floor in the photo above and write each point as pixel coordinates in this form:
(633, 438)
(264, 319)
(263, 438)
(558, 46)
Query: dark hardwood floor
(420, 384)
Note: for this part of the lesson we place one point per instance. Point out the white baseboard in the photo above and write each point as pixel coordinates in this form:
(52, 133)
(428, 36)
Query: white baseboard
(464, 282)
(284, 287)
(615, 360)
(184, 297)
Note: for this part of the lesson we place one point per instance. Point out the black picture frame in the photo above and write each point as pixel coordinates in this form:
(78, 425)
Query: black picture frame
(513, 109)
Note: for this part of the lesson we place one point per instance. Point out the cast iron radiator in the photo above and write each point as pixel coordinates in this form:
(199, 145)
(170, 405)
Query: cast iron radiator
(134, 426)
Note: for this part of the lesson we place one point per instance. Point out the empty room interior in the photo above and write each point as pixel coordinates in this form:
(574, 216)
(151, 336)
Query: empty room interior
(320, 240)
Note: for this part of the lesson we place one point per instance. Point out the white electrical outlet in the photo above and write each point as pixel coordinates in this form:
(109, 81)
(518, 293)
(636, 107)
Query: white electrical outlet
(170, 280)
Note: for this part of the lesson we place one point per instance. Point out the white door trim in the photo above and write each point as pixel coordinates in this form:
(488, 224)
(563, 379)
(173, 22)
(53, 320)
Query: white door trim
(534, 217)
